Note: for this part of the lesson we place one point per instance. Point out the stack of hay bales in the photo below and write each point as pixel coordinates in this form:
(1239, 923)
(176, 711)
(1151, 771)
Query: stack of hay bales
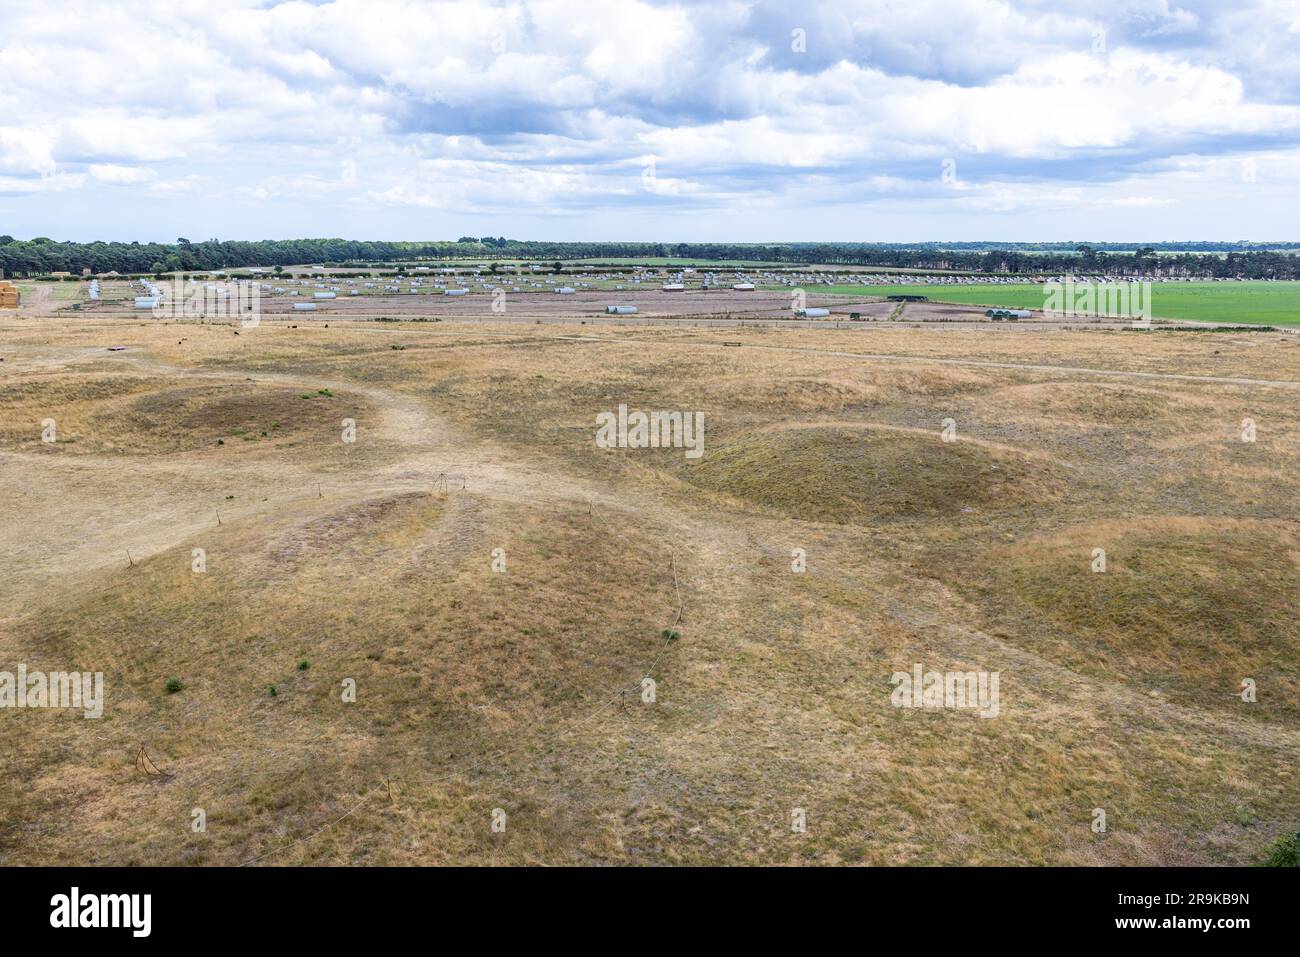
(8, 295)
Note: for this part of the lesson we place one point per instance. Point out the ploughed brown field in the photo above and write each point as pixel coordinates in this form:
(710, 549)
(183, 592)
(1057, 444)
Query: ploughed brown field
(691, 306)
(372, 564)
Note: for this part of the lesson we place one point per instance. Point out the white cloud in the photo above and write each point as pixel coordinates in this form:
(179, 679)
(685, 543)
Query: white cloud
(19, 185)
(121, 175)
(543, 107)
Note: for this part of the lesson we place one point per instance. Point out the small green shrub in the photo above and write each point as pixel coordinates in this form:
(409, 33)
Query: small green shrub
(1285, 852)
(173, 685)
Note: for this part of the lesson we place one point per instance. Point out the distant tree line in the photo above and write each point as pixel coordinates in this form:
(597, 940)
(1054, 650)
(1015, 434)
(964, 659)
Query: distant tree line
(1213, 260)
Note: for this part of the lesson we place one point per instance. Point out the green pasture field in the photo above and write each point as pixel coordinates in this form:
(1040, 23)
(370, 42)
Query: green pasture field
(59, 291)
(1267, 303)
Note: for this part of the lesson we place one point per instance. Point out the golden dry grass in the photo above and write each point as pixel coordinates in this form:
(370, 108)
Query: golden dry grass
(842, 474)
(1183, 605)
(142, 415)
(520, 690)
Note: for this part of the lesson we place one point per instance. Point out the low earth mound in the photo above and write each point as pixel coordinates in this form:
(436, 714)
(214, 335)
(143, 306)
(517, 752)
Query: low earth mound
(34, 409)
(849, 475)
(1090, 403)
(139, 416)
(197, 417)
(277, 684)
(1188, 608)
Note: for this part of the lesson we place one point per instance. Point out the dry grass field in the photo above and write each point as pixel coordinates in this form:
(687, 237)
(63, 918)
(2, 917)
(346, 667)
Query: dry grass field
(373, 563)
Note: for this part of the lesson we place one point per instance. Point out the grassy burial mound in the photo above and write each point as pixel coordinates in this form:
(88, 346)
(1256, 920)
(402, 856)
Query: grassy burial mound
(200, 416)
(1186, 607)
(142, 415)
(856, 475)
(473, 687)
(1090, 404)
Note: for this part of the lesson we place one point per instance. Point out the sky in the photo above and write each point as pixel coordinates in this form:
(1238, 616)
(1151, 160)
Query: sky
(877, 121)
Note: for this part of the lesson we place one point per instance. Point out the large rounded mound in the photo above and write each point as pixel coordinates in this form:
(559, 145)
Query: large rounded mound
(849, 475)
(197, 417)
(1090, 403)
(139, 415)
(461, 673)
(1189, 607)
(236, 416)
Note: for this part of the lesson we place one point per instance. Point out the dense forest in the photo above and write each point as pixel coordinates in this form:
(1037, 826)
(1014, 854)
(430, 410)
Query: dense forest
(1199, 259)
